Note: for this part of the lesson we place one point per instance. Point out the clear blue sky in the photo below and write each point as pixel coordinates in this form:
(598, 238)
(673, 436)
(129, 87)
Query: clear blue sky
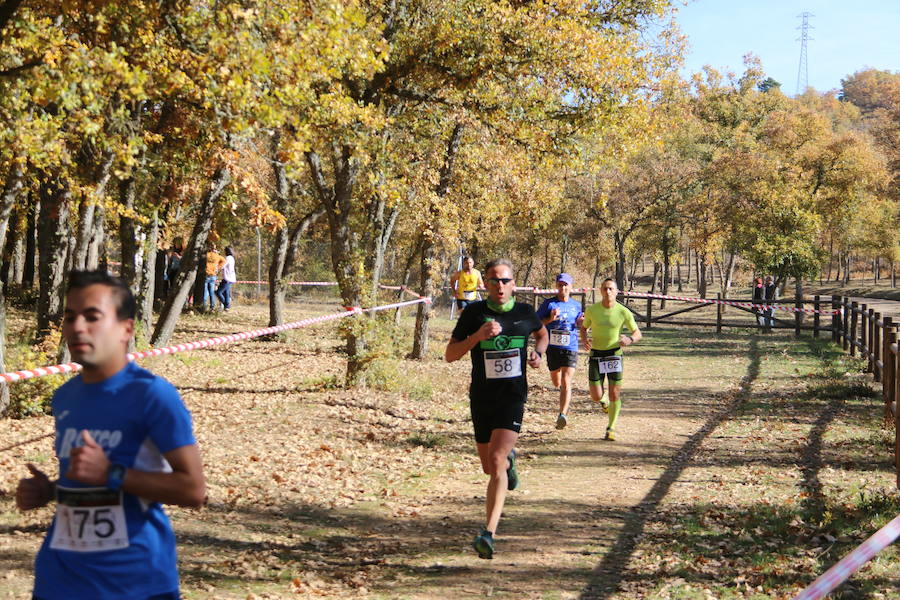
(847, 36)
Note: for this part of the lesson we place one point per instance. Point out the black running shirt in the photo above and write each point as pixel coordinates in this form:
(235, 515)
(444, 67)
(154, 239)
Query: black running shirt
(499, 364)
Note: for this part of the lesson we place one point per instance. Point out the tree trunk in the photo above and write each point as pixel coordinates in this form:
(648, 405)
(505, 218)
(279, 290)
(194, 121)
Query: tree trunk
(87, 213)
(407, 274)
(12, 188)
(168, 317)
(284, 252)
(128, 233)
(619, 242)
(597, 265)
(31, 234)
(148, 277)
(346, 261)
(18, 260)
(678, 274)
(426, 277)
(564, 253)
(96, 246)
(655, 275)
(701, 274)
(52, 234)
(729, 274)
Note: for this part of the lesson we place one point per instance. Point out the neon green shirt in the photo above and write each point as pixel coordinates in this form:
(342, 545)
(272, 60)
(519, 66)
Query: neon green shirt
(606, 324)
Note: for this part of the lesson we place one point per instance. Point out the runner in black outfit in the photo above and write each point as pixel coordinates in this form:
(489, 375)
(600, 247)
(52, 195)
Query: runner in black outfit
(496, 331)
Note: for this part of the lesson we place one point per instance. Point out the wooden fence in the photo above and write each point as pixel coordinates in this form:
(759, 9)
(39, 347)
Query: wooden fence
(863, 332)
(855, 327)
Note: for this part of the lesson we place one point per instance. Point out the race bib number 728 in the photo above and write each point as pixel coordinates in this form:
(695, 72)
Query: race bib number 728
(89, 520)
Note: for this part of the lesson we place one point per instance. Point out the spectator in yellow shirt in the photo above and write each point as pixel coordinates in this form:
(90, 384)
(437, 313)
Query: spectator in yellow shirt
(214, 262)
(465, 284)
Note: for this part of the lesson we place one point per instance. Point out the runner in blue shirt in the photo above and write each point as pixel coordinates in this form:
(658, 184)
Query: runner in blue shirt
(559, 314)
(125, 445)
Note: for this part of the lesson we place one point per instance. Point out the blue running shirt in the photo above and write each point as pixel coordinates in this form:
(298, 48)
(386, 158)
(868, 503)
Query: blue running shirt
(136, 417)
(563, 328)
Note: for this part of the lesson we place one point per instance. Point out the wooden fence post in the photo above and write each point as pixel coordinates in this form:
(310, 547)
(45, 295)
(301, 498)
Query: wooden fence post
(817, 306)
(877, 346)
(718, 313)
(798, 315)
(845, 305)
(864, 333)
(890, 375)
(854, 319)
(836, 319)
(873, 343)
(649, 311)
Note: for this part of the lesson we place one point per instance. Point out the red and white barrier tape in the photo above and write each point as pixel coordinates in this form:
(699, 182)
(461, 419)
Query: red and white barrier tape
(401, 288)
(792, 309)
(311, 283)
(848, 565)
(73, 367)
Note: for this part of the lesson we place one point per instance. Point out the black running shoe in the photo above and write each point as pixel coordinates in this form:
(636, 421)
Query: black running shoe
(512, 476)
(484, 544)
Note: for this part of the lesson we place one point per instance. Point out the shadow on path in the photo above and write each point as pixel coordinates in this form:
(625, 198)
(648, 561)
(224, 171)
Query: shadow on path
(607, 576)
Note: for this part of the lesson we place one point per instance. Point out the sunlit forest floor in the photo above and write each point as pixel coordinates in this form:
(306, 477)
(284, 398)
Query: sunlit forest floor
(746, 464)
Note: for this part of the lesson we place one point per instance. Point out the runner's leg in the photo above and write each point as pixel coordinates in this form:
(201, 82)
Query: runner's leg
(494, 462)
(565, 388)
(615, 405)
(554, 378)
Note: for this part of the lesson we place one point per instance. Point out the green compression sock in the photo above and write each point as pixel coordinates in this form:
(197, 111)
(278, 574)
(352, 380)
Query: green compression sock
(614, 408)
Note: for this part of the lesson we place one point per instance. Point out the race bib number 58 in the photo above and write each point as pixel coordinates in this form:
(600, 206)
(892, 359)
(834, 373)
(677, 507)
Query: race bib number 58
(89, 520)
(500, 364)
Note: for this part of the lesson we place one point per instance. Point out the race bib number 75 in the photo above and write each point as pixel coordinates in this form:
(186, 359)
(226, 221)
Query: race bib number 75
(89, 520)
(500, 364)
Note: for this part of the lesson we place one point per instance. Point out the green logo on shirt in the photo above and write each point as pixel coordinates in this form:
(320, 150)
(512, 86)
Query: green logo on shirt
(503, 342)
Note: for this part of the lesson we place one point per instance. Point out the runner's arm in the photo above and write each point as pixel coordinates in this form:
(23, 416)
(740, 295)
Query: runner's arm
(541, 341)
(35, 491)
(456, 349)
(184, 486)
(634, 337)
(453, 281)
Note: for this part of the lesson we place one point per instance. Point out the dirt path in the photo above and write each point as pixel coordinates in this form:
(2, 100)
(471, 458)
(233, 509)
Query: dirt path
(320, 492)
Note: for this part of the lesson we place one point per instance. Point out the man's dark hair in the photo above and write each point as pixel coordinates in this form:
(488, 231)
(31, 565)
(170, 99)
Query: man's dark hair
(497, 262)
(609, 279)
(229, 251)
(124, 299)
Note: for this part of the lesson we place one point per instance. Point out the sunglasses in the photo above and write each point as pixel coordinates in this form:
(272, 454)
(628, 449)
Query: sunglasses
(498, 280)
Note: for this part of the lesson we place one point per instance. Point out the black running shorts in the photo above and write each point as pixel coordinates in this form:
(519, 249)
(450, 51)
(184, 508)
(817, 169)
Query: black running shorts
(596, 373)
(486, 417)
(560, 357)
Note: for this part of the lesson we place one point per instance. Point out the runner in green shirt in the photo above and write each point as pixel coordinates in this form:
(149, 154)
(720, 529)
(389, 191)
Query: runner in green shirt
(605, 320)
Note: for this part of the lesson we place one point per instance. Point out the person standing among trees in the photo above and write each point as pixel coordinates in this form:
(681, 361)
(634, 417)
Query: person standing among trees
(214, 262)
(465, 283)
(125, 445)
(560, 314)
(605, 320)
(759, 297)
(495, 331)
(229, 276)
(174, 263)
(770, 294)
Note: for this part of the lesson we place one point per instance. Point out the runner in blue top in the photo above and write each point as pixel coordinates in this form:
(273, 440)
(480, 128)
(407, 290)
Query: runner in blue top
(559, 314)
(125, 445)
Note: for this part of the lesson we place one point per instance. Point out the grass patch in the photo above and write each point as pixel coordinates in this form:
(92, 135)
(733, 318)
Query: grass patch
(428, 440)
